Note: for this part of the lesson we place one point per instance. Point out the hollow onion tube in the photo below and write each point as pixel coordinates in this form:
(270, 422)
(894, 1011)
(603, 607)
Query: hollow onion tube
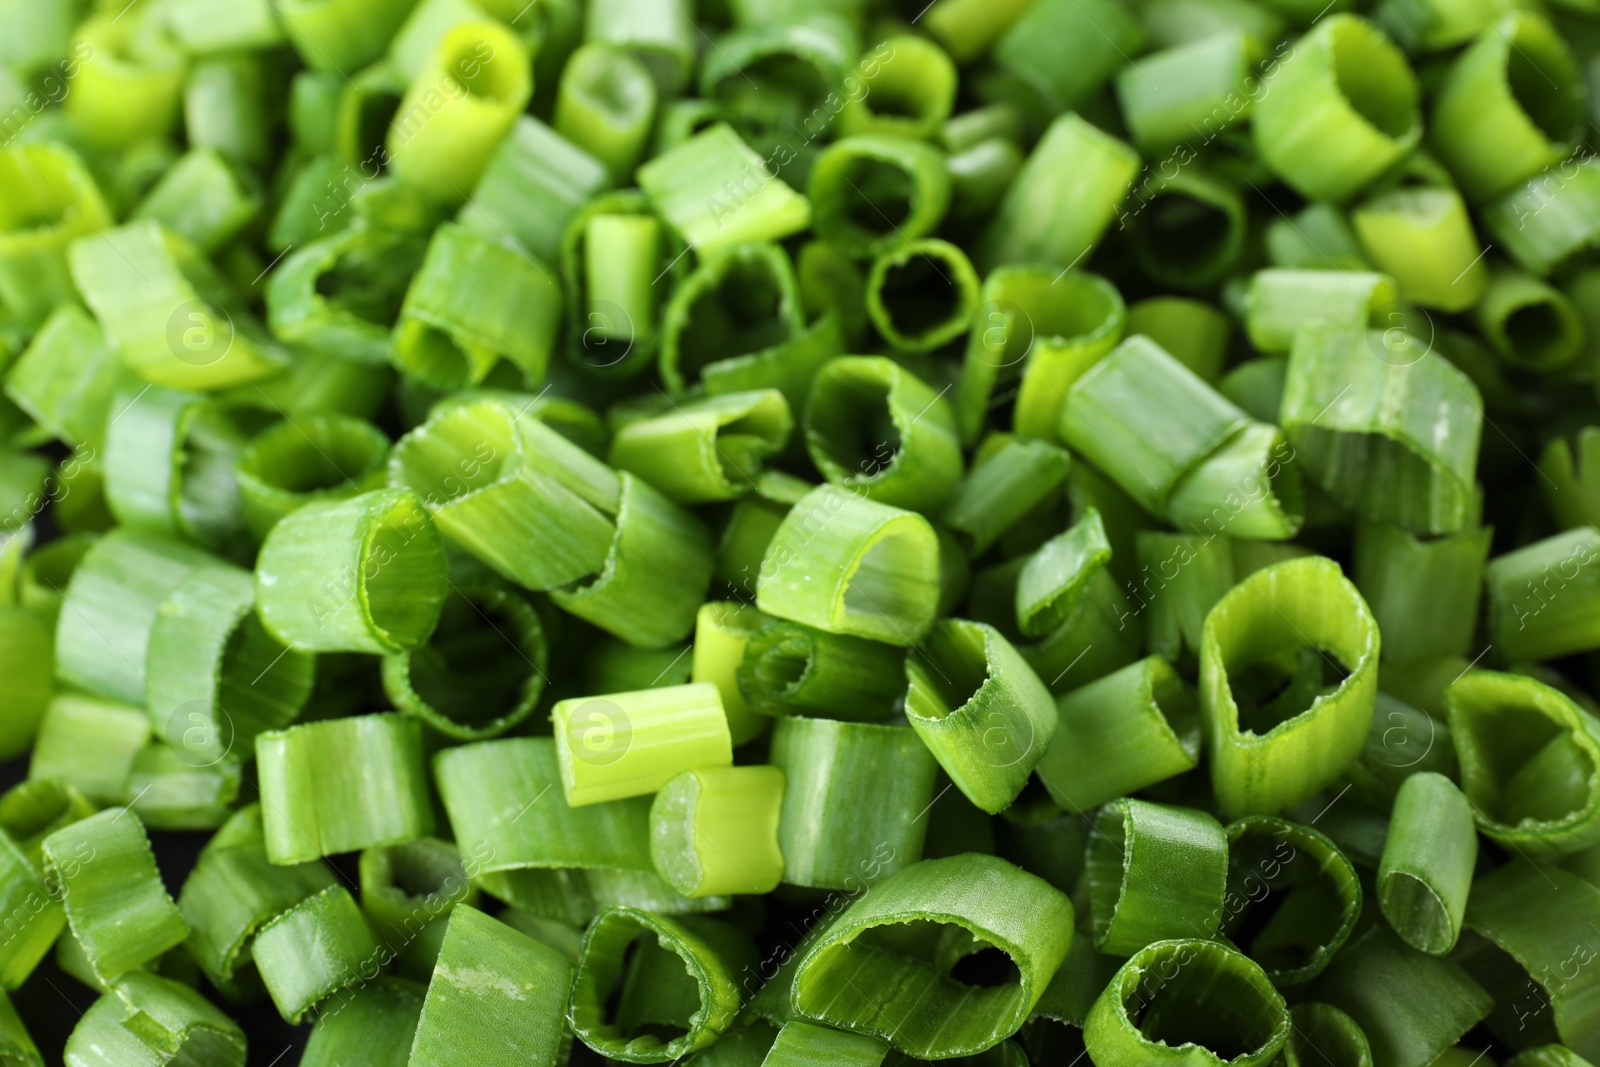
(1187, 1002)
(980, 709)
(908, 86)
(342, 784)
(1169, 96)
(849, 565)
(127, 83)
(714, 830)
(307, 460)
(366, 574)
(315, 948)
(1056, 326)
(1323, 1034)
(1269, 756)
(1385, 426)
(89, 744)
(167, 464)
(492, 977)
(1423, 592)
(1190, 230)
(631, 744)
(408, 892)
(620, 255)
(202, 199)
(375, 1023)
(67, 377)
(534, 184)
(873, 191)
(857, 977)
(1529, 324)
(1054, 579)
(51, 200)
(1155, 871)
(1411, 1006)
(968, 29)
(168, 313)
(1570, 466)
(1427, 864)
(1550, 219)
(703, 953)
(1009, 478)
(716, 191)
(1509, 106)
(1293, 898)
(1528, 762)
(215, 677)
(1120, 734)
(1280, 301)
(707, 449)
(481, 672)
(921, 294)
(340, 296)
(1067, 193)
(1342, 109)
(474, 301)
(606, 106)
(660, 33)
(764, 75)
(1435, 25)
(829, 840)
(233, 890)
(116, 905)
(145, 1020)
(789, 669)
(874, 427)
(1541, 596)
(736, 317)
(1544, 920)
(460, 105)
(110, 607)
(1099, 36)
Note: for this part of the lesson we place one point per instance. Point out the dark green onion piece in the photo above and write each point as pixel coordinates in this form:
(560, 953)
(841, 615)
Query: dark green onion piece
(907, 962)
(1544, 920)
(496, 998)
(51, 200)
(1187, 1003)
(375, 1025)
(907, 86)
(1288, 675)
(1293, 897)
(1120, 734)
(108, 882)
(702, 954)
(829, 838)
(921, 294)
(1428, 861)
(67, 377)
(1423, 592)
(1181, 577)
(1155, 871)
(317, 947)
(364, 574)
(873, 426)
(714, 831)
(1385, 426)
(1343, 107)
(1569, 468)
(1529, 324)
(144, 1020)
(1322, 1034)
(764, 75)
(980, 709)
(874, 191)
(849, 565)
(342, 784)
(408, 892)
(1190, 230)
(788, 669)
(1530, 762)
(482, 670)
(89, 744)
(1069, 190)
(203, 199)
(1541, 596)
(1168, 96)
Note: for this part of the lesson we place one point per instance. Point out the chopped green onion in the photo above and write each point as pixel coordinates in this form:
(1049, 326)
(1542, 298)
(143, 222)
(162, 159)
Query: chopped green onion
(874, 191)
(606, 106)
(715, 831)
(1154, 872)
(89, 744)
(144, 1020)
(789, 669)
(1423, 592)
(708, 449)
(716, 191)
(1530, 325)
(1428, 861)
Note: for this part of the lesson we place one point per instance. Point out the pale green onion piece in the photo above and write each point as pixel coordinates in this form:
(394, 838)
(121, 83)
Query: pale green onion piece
(708, 449)
(921, 294)
(535, 183)
(875, 191)
(1063, 50)
(1423, 239)
(631, 744)
(90, 744)
(320, 945)
(714, 830)
(722, 632)
(67, 377)
(307, 460)
(716, 191)
(790, 669)
(1280, 301)
(51, 200)
(907, 86)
